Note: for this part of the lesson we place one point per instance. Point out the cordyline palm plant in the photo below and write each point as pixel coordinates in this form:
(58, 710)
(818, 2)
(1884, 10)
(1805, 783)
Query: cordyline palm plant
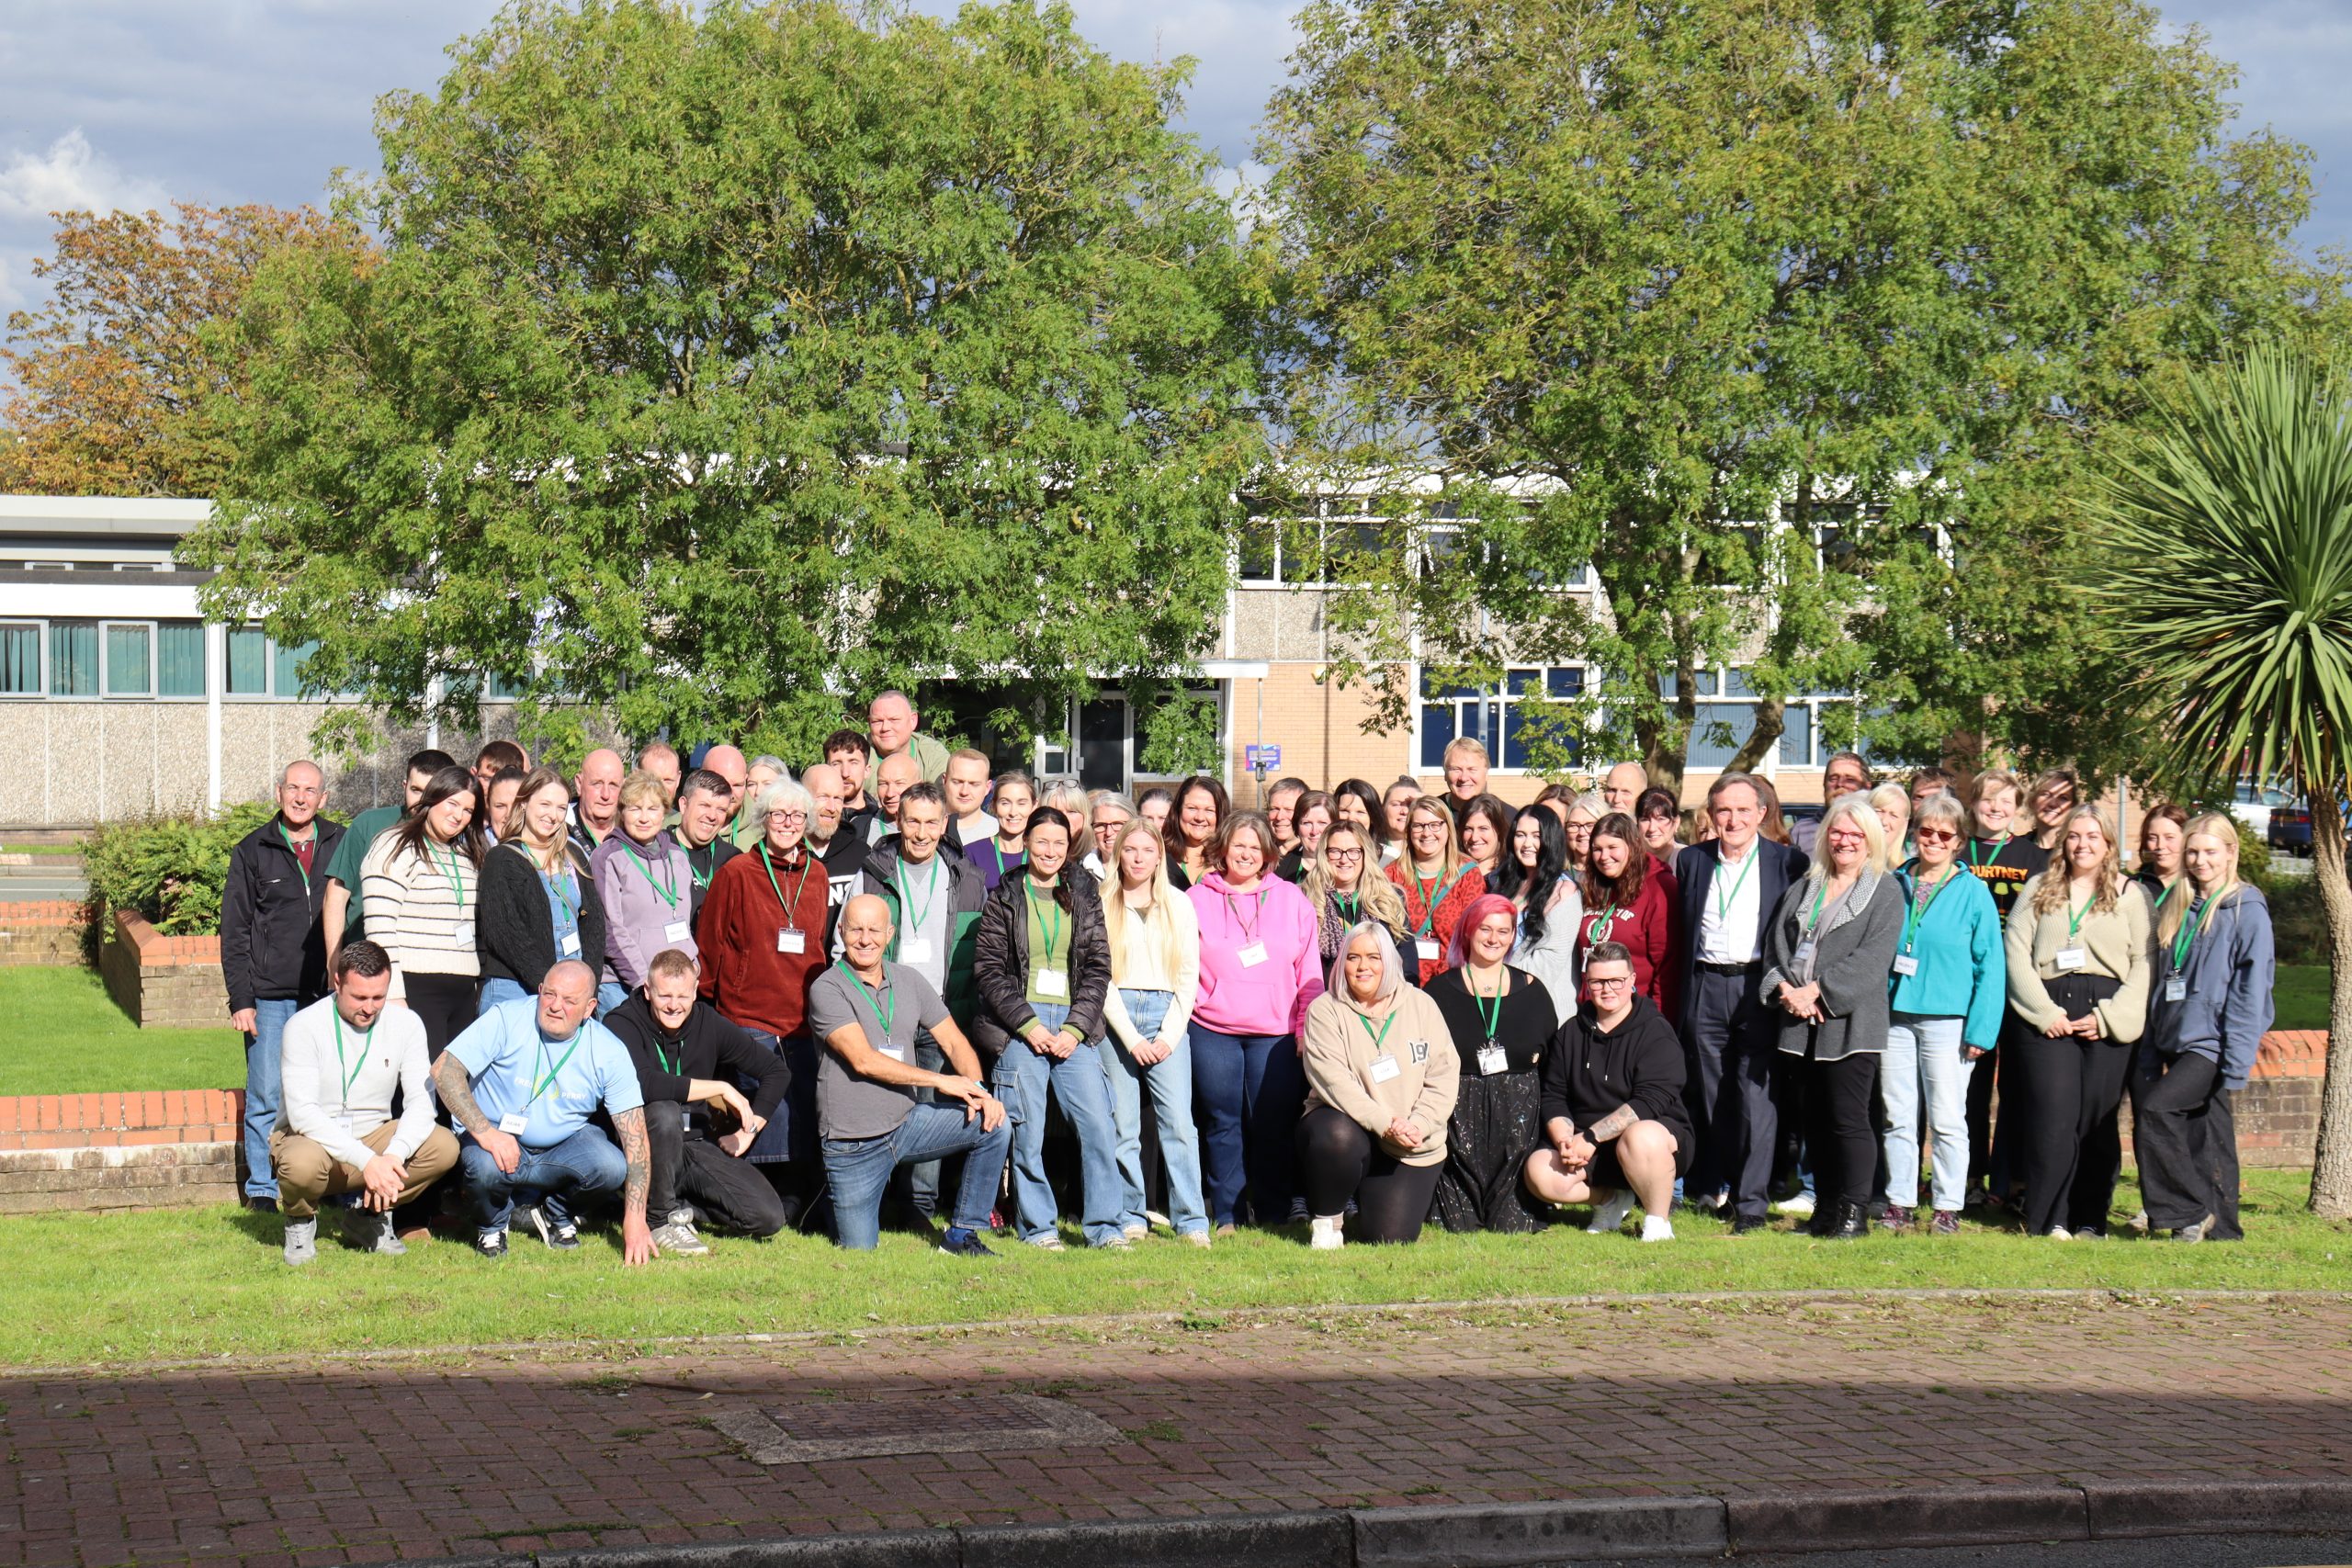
(2225, 536)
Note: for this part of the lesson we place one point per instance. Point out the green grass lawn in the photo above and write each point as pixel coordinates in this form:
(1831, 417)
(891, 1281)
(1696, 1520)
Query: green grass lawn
(120, 1289)
(66, 1036)
(2301, 996)
(40, 849)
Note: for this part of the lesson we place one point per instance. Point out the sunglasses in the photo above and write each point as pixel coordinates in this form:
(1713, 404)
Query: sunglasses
(1941, 835)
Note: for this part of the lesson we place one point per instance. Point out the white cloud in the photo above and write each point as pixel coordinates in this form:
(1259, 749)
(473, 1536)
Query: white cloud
(70, 175)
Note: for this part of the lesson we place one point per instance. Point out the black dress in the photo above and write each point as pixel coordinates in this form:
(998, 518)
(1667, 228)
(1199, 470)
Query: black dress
(1496, 1124)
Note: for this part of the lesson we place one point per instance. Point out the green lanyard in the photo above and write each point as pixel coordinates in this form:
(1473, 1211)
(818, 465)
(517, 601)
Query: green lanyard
(675, 1067)
(1428, 905)
(918, 919)
(808, 863)
(1820, 895)
(701, 878)
(1052, 932)
(1725, 897)
(1350, 904)
(2187, 937)
(298, 853)
(2075, 917)
(454, 871)
(350, 1074)
(1975, 864)
(2165, 894)
(1598, 926)
(884, 1016)
(1379, 1040)
(539, 1085)
(668, 893)
(1919, 906)
(1492, 1019)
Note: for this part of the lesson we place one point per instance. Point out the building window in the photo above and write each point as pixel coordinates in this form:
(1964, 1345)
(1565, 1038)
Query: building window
(288, 665)
(179, 658)
(73, 658)
(248, 663)
(20, 658)
(131, 659)
(1493, 715)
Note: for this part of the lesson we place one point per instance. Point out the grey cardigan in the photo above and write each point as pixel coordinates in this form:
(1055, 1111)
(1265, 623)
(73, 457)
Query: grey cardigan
(1853, 956)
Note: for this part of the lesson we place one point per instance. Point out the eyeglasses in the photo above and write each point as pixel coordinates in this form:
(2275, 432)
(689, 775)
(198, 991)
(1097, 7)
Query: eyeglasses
(1343, 855)
(1607, 982)
(783, 816)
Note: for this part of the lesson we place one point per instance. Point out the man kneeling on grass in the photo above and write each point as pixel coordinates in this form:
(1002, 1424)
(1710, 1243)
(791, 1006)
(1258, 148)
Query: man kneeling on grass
(521, 1081)
(699, 1125)
(1611, 1105)
(342, 1058)
(866, 1011)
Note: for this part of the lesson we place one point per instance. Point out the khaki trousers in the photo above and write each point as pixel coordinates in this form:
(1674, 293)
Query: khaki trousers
(306, 1172)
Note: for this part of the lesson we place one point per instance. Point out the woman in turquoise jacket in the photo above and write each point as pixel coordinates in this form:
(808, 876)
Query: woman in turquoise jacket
(1947, 995)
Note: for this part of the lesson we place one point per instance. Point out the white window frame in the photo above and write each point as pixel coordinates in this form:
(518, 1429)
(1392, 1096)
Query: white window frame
(1496, 695)
(152, 625)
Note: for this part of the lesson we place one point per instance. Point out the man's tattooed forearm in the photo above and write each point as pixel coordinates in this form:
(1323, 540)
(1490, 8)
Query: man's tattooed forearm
(630, 1125)
(457, 1094)
(1609, 1126)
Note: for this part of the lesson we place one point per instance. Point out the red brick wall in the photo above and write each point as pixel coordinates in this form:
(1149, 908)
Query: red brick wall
(163, 981)
(49, 932)
(156, 1149)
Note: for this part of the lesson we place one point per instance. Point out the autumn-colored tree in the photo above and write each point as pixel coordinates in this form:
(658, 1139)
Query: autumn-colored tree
(116, 373)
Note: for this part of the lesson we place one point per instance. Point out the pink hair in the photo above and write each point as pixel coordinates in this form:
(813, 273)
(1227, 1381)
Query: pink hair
(1458, 950)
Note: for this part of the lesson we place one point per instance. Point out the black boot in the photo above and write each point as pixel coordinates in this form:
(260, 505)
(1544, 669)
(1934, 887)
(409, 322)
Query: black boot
(1853, 1222)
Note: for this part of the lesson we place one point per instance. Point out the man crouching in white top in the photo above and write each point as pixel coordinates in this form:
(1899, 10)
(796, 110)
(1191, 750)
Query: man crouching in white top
(343, 1057)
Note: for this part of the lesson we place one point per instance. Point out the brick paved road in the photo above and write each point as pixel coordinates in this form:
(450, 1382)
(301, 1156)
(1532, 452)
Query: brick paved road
(344, 1461)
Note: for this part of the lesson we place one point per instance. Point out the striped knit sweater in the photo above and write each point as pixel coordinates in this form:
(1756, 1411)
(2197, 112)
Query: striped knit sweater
(423, 922)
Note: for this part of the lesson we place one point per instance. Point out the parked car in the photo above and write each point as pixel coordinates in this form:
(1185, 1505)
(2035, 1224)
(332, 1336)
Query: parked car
(2289, 829)
(2253, 803)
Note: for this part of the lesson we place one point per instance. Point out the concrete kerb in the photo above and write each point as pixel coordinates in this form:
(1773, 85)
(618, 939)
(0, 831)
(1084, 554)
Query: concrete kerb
(1524, 1535)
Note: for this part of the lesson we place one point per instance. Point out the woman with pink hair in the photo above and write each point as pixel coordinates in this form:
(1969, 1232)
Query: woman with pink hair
(1500, 1020)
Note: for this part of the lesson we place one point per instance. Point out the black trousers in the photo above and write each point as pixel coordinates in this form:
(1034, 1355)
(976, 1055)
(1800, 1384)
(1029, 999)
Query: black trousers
(1339, 1160)
(2067, 1094)
(445, 1004)
(1841, 1111)
(730, 1193)
(1730, 1042)
(1994, 1162)
(2185, 1135)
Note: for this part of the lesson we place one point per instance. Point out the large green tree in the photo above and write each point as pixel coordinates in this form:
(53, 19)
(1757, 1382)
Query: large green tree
(728, 362)
(1798, 319)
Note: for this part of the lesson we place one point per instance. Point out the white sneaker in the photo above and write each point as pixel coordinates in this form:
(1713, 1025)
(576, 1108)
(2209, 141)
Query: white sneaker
(301, 1241)
(1048, 1242)
(1798, 1203)
(676, 1238)
(1135, 1233)
(1323, 1232)
(1609, 1218)
(2060, 1233)
(1656, 1227)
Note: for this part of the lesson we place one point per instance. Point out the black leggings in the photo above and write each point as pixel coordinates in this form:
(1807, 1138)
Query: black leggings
(1339, 1160)
(445, 1004)
(2068, 1090)
(1841, 1127)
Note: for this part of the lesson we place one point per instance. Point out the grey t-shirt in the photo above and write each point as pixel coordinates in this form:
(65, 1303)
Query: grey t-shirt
(925, 909)
(848, 1105)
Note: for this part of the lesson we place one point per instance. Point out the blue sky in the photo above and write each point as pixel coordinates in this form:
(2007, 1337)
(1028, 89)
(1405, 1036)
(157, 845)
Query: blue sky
(132, 103)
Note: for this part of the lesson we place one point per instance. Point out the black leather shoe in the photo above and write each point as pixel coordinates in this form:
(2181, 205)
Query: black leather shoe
(1852, 1223)
(1743, 1223)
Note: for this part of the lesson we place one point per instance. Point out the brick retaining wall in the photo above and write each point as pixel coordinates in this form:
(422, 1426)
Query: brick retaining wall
(43, 932)
(2278, 1111)
(151, 1150)
(163, 981)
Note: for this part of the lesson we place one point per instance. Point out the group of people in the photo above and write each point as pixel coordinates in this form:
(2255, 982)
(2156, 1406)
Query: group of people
(737, 997)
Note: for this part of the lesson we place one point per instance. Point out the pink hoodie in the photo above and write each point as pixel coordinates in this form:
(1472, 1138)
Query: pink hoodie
(1271, 997)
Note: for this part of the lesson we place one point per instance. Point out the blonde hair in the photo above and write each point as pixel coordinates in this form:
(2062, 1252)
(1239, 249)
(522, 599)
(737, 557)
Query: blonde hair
(1119, 920)
(1996, 778)
(642, 788)
(1434, 808)
(2214, 825)
(1378, 898)
(1858, 806)
(2053, 889)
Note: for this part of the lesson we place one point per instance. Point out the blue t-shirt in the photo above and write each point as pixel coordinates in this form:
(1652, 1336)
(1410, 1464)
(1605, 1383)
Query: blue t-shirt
(506, 1058)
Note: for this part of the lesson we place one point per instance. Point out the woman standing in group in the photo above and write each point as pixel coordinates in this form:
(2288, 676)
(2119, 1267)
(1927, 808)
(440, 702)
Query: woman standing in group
(2078, 978)
(1311, 818)
(1485, 827)
(1259, 971)
(1153, 806)
(1356, 801)
(1345, 888)
(2005, 861)
(422, 883)
(2055, 796)
(539, 904)
(1042, 963)
(646, 887)
(2163, 833)
(2215, 968)
(1534, 876)
(1437, 883)
(1500, 1020)
(1892, 804)
(1659, 818)
(1155, 945)
(1950, 989)
(1382, 1077)
(1201, 809)
(1583, 812)
(1625, 902)
(1015, 798)
(1827, 954)
(1396, 820)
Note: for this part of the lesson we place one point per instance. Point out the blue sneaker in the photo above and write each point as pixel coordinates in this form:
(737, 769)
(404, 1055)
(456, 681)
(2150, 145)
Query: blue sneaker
(962, 1242)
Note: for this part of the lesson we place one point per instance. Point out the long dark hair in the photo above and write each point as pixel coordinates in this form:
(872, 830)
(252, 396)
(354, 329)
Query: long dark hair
(1622, 891)
(450, 780)
(1215, 792)
(1512, 880)
(1052, 817)
(1363, 795)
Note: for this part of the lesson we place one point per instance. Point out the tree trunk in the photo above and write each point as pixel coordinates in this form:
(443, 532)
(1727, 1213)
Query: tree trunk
(2332, 1171)
(1771, 719)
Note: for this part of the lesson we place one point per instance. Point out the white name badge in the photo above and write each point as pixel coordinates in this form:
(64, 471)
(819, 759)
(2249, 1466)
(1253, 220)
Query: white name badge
(686, 1117)
(1383, 1069)
(791, 940)
(1253, 956)
(896, 1052)
(569, 945)
(2068, 958)
(1492, 1060)
(1427, 950)
(512, 1124)
(1052, 983)
(1803, 955)
(2177, 988)
(1905, 964)
(464, 933)
(915, 950)
(677, 931)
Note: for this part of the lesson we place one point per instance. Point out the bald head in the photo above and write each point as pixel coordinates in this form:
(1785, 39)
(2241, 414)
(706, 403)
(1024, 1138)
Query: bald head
(728, 763)
(662, 760)
(830, 794)
(567, 995)
(891, 780)
(1623, 785)
(598, 787)
(301, 790)
(865, 931)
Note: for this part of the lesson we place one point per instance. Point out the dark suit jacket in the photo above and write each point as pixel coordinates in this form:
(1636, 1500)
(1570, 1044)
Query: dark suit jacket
(1694, 870)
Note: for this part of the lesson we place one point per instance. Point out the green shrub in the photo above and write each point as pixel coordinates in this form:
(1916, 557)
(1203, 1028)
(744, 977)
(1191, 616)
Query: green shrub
(170, 869)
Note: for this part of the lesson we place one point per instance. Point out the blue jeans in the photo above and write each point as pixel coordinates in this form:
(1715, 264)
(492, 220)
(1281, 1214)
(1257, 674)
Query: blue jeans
(1022, 1079)
(1925, 1054)
(790, 1136)
(494, 992)
(610, 993)
(584, 1162)
(1170, 1084)
(264, 1090)
(857, 1171)
(1253, 1090)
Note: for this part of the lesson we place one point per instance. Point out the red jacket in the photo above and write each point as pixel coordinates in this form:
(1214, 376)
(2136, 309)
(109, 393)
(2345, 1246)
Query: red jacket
(1652, 932)
(745, 974)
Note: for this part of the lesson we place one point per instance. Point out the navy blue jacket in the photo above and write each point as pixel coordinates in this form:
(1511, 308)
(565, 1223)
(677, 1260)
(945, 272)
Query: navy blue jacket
(1694, 870)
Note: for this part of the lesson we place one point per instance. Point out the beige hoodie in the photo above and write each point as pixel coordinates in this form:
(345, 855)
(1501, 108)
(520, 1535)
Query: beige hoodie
(1340, 1052)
